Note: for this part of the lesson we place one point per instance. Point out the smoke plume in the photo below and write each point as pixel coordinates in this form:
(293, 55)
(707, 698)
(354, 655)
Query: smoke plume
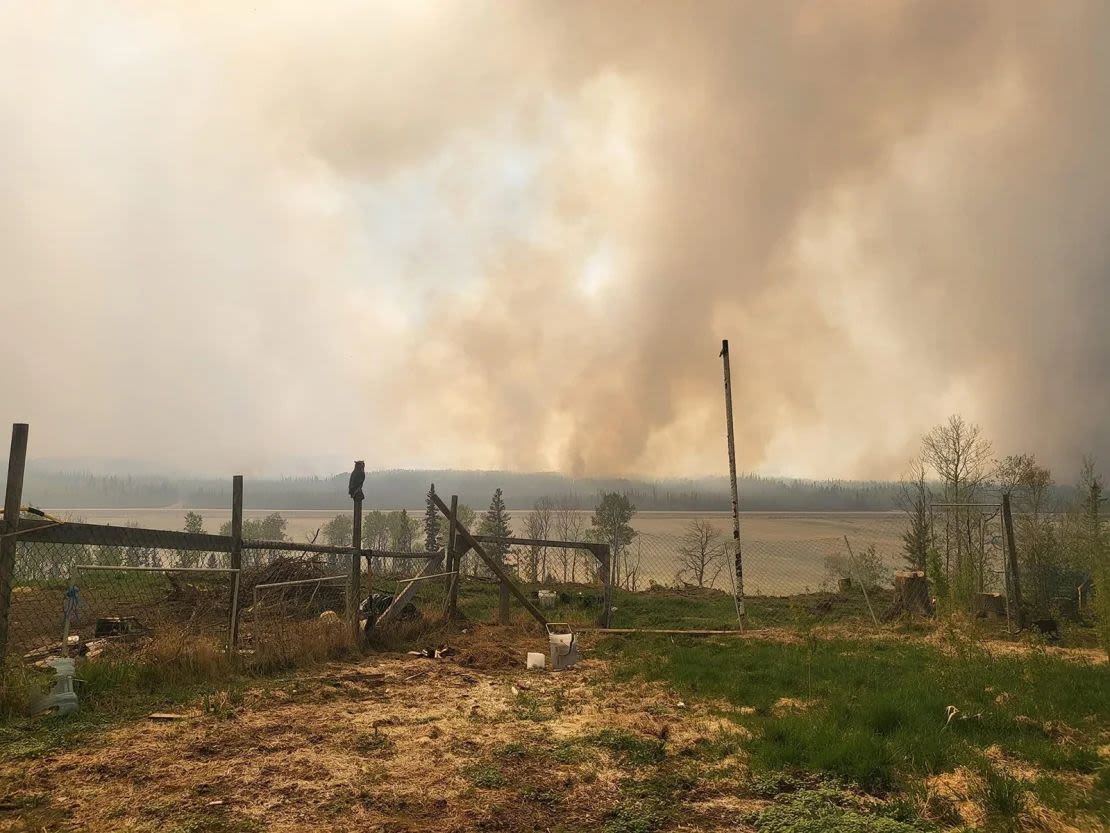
(513, 235)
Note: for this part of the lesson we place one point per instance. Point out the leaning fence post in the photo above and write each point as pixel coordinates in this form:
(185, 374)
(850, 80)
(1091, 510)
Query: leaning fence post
(236, 553)
(354, 584)
(17, 461)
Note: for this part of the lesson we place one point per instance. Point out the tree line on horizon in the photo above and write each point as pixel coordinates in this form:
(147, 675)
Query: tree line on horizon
(392, 489)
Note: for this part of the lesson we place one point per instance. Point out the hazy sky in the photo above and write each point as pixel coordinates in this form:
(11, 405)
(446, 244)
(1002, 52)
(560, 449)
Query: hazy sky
(278, 236)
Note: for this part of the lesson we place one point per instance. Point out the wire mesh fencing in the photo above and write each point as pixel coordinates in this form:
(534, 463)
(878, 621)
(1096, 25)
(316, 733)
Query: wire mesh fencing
(562, 580)
(687, 579)
(114, 581)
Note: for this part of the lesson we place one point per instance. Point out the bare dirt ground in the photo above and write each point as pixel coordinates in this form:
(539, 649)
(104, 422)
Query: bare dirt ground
(394, 743)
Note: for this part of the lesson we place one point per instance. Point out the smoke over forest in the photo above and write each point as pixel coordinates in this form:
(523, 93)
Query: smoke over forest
(512, 235)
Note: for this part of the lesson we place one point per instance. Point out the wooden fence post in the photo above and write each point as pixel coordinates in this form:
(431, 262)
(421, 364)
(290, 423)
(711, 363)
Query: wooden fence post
(17, 461)
(503, 604)
(604, 559)
(453, 563)
(236, 553)
(1011, 552)
(354, 586)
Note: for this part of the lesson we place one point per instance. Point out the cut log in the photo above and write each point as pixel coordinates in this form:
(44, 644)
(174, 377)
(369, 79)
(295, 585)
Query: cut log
(911, 593)
(843, 585)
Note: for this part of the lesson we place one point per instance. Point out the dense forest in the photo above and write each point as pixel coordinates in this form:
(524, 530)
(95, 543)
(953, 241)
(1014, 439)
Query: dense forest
(395, 489)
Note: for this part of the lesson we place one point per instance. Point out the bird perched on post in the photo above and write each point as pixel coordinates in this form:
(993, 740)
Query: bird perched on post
(358, 477)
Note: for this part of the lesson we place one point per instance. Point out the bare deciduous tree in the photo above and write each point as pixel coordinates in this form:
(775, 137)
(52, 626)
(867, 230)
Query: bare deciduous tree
(569, 525)
(961, 457)
(701, 553)
(538, 525)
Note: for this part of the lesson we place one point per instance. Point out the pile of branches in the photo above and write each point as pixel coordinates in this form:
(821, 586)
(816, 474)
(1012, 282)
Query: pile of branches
(309, 599)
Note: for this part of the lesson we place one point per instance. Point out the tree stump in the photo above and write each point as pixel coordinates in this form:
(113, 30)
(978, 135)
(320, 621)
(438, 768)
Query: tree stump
(990, 604)
(843, 585)
(911, 593)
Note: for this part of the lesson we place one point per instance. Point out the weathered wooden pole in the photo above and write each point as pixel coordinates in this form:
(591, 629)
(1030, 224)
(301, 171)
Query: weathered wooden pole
(236, 553)
(17, 462)
(741, 613)
(355, 584)
(503, 604)
(453, 562)
(1011, 554)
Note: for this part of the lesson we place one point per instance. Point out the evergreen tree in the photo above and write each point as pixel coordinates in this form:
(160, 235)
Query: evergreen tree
(194, 523)
(1092, 496)
(404, 535)
(496, 522)
(431, 522)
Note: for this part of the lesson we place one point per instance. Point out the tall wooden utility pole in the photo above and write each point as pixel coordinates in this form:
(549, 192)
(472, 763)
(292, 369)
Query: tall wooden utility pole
(236, 556)
(1011, 554)
(741, 614)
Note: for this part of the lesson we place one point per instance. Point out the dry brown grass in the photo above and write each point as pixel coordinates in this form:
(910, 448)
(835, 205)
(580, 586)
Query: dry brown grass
(390, 743)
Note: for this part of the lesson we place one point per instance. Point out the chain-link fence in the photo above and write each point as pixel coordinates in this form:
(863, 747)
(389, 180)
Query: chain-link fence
(96, 586)
(564, 581)
(100, 581)
(126, 580)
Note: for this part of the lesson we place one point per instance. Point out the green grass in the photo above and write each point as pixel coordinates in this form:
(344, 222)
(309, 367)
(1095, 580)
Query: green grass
(1003, 800)
(829, 811)
(630, 748)
(877, 710)
(485, 777)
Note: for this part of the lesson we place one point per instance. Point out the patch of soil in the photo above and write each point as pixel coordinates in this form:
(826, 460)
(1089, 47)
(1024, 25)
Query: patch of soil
(393, 743)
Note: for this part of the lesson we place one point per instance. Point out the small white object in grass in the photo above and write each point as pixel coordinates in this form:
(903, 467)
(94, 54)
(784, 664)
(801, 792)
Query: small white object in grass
(61, 696)
(681, 705)
(536, 661)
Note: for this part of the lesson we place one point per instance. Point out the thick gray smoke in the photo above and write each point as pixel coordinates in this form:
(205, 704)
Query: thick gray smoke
(513, 235)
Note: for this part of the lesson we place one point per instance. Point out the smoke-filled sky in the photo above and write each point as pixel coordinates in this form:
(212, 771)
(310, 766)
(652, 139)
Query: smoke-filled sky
(279, 236)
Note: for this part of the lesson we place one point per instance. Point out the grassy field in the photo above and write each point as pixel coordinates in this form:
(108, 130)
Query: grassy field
(812, 721)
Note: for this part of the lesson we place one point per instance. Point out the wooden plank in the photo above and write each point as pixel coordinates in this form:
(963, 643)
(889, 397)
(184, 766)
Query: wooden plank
(495, 568)
(121, 536)
(293, 546)
(13, 494)
(395, 554)
(668, 632)
(539, 542)
(405, 596)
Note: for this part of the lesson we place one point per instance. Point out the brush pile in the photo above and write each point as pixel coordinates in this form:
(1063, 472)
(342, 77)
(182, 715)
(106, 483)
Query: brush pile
(309, 598)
